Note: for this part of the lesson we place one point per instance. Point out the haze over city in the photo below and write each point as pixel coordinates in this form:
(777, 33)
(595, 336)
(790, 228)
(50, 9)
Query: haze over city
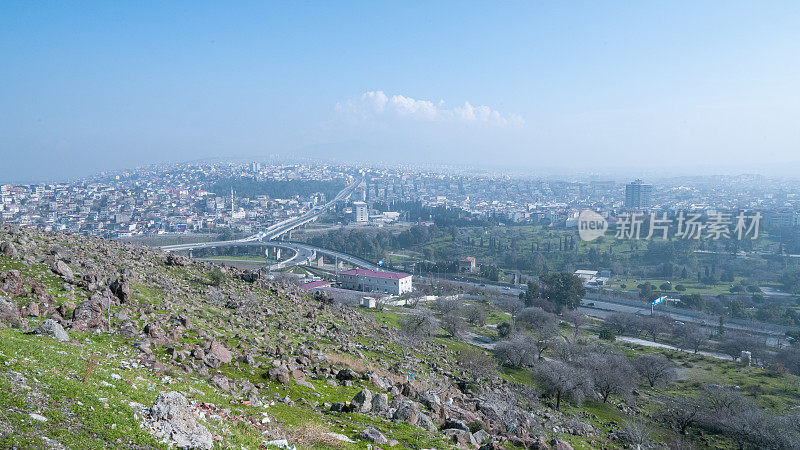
(680, 87)
(418, 225)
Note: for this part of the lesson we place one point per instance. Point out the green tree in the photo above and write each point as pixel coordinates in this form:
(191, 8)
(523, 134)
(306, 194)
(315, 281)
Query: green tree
(564, 289)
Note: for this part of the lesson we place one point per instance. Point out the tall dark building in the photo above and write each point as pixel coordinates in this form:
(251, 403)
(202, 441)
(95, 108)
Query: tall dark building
(637, 194)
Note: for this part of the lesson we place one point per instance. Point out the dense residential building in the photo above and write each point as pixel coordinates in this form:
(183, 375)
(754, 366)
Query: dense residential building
(374, 281)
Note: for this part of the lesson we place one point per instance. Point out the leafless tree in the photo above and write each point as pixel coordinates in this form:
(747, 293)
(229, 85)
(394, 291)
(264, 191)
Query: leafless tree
(655, 369)
(535, 318)
(734, 345)
(657, 325)
(563, 380)
(519, 351)
(577, 320)
(453, 324)
(477, 362)
(611, 374)
(511, 305)
(689, 337)
(475, 315)
(681, 412)
(447, 305)
(635, 433)
(420, 325)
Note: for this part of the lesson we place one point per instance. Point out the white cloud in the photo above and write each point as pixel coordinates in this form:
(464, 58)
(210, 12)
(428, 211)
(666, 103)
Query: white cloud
(376, 104)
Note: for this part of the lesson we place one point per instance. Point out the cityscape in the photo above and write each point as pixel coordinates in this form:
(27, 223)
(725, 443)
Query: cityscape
(421, 225)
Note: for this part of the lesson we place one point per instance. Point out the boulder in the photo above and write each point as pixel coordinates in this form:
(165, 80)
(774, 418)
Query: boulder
(347, 375)
(380, 404)
(12, 283)
(455, 425)
(223, 354)
(362, 402)
(33, 309)
(88, 316)
(175, 422)
(373, 435)
(559, 444)
(461, 437)
(221, 381)
(425, 422)
(481, 436)
(406, 413)
(9, 313)
(121, 289)
(8, 248)
(52, 328)
(279, 374)
(61, 268)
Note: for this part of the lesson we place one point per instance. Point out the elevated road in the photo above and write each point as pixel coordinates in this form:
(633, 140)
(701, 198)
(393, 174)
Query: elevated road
(275, 230)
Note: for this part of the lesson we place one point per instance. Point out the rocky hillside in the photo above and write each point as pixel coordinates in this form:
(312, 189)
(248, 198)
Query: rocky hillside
(108, 345)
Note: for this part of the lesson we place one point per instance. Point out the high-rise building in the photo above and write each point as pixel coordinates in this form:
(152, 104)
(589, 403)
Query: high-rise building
(360, 212)
(637, 194)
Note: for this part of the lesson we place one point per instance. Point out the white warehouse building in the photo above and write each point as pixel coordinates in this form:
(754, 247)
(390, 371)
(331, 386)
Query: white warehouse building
(373, 281)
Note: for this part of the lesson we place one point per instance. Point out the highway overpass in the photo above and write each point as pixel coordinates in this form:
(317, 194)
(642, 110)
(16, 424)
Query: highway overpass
(275, 230)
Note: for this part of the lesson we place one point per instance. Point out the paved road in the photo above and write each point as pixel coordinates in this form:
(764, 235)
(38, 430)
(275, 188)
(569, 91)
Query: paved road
(603, 309)
(275, 230)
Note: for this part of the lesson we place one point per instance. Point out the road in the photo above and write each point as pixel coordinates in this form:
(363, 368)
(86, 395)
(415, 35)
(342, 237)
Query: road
(593, 306)
(275, 230)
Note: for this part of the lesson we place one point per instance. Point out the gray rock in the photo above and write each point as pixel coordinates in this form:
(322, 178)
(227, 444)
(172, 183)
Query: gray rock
(461, 437)
(481, 436)
(406, 413)
(222, 354)
(54, 329)
(423, 421)
(9, 312)
(61, 268)
(9, 249)
(362, 402)
(346, 374)
(88, 316)
(380, 403)
(373, 435)
(176, 424)
(338, 407)
(455, 425)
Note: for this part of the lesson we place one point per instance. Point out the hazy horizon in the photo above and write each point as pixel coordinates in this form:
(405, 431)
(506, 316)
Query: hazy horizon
(612, 88)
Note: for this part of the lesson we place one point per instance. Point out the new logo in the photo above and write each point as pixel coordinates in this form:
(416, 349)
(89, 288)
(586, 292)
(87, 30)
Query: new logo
(591, 225)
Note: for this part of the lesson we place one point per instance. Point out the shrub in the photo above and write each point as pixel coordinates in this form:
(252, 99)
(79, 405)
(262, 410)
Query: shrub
(607, 335)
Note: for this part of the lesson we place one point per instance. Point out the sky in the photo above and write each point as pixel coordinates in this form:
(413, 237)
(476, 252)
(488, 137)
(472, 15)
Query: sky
(580, 86)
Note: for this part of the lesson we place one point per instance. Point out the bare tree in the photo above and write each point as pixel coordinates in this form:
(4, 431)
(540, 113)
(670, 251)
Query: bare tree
(612, 374)
(734, 345)
(475, 315)
(563, 380)
(453, 324)
(635, 433)
(420, 325)
(535, 318)
(655, 369)
(477, 362)
(447, 304)
(657, 325)
(681, 412)
(547, 337)
(689, 337)
(577, 320)
(519, 351)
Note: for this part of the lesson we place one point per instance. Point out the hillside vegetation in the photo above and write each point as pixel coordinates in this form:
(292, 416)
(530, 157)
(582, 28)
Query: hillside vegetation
(108, 345)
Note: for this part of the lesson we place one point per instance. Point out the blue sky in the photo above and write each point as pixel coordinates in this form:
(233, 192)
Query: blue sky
(604, 86)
